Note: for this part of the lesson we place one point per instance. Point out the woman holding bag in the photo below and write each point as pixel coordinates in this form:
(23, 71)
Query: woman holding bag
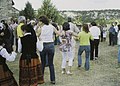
(46, 36)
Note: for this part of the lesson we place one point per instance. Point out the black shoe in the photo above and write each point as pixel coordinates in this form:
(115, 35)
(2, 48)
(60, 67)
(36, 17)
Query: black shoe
(95, 58)
(46, 65)
(86, 69)
(79, 65)
(52, 82)
(91, 59)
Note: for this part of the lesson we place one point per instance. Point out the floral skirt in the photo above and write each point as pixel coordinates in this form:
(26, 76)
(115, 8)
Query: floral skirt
(30, 74)
(6, 76)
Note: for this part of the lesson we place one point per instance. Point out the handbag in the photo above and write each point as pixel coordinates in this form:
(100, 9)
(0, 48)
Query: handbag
(39, 45)
(61, 47)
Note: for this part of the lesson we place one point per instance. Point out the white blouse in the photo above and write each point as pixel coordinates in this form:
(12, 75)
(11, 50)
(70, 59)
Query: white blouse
(118, 38)
(95, 31)
(5, 54)
(19, 46)
(47, 33)
(39, 44)
(19, 43)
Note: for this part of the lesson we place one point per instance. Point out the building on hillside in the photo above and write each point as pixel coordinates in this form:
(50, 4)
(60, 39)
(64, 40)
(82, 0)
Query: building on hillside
(7, 10)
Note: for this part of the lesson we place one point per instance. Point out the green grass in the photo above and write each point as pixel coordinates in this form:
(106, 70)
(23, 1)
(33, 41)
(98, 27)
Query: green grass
(103, 72)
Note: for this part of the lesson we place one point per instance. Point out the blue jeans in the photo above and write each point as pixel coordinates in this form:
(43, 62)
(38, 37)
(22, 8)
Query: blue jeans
(118, 53)
(87, 55)
(48, 50)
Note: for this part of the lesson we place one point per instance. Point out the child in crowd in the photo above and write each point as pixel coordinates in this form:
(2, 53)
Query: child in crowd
(104, 33)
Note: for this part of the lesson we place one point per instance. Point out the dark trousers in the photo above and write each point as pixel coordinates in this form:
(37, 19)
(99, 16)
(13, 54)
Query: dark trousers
(8, 45)
(101, 36)
(94, 48)
(48, 51)
(116, 38)
(111, 39)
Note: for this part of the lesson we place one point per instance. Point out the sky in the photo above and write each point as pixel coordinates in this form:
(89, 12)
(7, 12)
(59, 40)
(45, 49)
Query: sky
(72, 4)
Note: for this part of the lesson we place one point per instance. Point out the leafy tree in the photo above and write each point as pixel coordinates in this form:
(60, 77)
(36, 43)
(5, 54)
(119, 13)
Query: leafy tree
(28, 11)
(101, 21)
(21, 13)
(46, 9)
(49, 10)
(78, 19)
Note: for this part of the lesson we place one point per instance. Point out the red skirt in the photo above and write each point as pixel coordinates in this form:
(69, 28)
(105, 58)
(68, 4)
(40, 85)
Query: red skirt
(6, 76)
(30, 74)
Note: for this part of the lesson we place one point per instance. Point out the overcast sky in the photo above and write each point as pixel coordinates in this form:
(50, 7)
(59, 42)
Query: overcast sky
(72, 4)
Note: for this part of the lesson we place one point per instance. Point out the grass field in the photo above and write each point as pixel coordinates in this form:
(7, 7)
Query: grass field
(103, 72)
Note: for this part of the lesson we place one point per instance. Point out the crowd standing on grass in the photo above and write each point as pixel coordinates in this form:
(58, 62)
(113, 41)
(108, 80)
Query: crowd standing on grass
(25, 35)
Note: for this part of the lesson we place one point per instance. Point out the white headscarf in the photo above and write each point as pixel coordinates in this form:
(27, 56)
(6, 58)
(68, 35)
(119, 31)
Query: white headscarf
(21, 18)
(1, 26)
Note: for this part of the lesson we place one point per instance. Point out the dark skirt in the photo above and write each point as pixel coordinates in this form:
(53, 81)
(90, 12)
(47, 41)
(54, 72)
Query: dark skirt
(30, 74)
(6, 76)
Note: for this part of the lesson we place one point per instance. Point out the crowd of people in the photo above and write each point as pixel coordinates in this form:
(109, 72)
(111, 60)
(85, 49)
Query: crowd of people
(21, 36)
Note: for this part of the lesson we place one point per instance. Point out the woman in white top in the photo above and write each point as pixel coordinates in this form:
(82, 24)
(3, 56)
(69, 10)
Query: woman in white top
(46, 35)
(118, 45)
(6, 76)
(94, 44)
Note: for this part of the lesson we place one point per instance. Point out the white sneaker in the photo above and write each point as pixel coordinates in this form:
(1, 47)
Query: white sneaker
(69, 73)
(95, 58)
(63, 72)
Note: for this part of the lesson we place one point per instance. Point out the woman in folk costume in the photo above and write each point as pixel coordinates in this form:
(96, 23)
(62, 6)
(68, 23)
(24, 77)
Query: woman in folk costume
(30, 73)
(6, 76)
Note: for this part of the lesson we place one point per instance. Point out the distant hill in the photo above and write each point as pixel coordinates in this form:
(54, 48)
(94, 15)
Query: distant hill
(100, 16)
(108, 14)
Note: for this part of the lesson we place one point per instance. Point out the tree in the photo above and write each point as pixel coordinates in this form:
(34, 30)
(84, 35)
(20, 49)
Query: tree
(21, 13)
(101, 21)
(49, 10)
(28, 11)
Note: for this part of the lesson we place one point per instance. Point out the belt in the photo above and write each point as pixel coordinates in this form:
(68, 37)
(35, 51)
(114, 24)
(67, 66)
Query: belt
(48, 42)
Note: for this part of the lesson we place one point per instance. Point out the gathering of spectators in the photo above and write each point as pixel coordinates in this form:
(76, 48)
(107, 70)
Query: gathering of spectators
(24, 33)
